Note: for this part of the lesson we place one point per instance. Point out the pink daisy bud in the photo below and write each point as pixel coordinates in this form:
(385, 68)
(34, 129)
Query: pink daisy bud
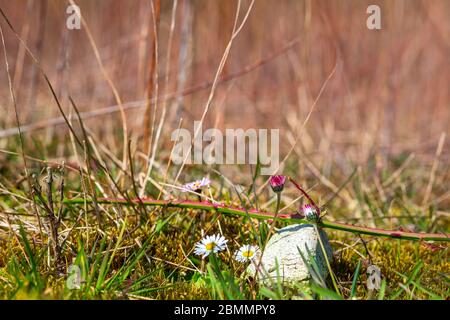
(277, 183)
(310, 212)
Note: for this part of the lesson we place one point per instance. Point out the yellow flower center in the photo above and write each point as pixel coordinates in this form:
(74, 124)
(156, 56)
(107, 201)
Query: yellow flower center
(247, 254)
(210, 246)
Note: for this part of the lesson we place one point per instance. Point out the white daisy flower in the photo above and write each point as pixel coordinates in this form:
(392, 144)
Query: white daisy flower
(246, 253)
(209, 244)
(195, 186)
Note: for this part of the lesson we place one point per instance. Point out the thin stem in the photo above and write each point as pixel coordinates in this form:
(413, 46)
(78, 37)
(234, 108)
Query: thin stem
(278, 203)
(306, 195)
(203, 213)
(284, 217)
(272, 224)
(269, 233)
(319, 237)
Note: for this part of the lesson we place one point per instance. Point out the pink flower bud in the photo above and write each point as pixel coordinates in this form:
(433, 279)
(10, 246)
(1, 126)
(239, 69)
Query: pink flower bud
(310, 212)
(277, 182)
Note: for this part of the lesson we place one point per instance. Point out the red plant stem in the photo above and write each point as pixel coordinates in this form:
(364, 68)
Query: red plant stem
(285, 217)
(306, 195)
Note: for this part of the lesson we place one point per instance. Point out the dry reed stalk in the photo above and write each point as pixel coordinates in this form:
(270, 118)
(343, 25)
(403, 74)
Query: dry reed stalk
(22, 144)
(434, 169)
(152, 89)
(236, 30)
(169, 162)
(34, 85)
(142, 50)
(18, 68)
(164, 108)
(113, 88)
(184, 54)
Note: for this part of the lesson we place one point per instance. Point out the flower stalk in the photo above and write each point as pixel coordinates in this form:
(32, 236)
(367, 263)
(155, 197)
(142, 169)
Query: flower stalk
(284, 217)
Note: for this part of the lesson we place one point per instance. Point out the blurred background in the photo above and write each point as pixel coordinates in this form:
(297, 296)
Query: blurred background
(372, 93)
